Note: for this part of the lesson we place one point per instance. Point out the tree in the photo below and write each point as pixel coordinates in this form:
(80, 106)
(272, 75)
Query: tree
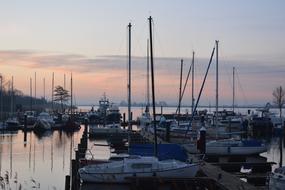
(61, 95)
(279, 98)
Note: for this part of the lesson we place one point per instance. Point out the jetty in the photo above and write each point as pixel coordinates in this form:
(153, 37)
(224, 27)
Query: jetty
(215, 173)
(217, 170)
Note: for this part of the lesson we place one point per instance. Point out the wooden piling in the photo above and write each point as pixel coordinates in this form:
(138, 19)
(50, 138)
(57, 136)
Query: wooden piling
(74, 170)
(67, 182)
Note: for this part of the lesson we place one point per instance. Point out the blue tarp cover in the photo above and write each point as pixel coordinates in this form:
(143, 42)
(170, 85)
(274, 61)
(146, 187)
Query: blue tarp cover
(165, 151)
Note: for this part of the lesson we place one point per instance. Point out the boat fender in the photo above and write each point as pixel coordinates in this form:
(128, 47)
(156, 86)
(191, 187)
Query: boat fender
(229, 149)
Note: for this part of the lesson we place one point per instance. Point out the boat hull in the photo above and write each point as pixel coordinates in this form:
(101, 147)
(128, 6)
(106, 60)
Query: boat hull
(276, 184)
(215, 150)
(103, 132)
(185, 172)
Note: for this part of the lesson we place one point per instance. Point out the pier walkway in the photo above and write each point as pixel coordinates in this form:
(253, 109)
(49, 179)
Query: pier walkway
(224, 180)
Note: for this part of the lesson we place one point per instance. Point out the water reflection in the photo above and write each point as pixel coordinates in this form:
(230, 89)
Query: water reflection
(35, 160)
(31, 160)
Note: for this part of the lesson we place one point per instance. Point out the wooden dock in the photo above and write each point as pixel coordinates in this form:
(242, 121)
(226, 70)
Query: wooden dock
(211, 175)
(224, 179)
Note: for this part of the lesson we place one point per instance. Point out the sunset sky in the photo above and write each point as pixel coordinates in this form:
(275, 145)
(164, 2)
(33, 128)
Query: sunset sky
(89, 39)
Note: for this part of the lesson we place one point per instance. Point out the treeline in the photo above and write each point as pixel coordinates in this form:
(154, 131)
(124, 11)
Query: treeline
(16, 101)
(13, 101)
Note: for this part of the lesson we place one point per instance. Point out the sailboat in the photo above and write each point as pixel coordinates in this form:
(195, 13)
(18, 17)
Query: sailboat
(12, 123)
(226, 146)
(71, 124)
(145, 118)
(140, 166)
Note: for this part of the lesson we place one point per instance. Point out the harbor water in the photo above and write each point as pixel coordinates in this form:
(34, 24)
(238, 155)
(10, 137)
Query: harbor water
(41, 161)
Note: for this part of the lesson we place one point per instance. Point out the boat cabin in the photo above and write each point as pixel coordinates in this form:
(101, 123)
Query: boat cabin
(140, 164)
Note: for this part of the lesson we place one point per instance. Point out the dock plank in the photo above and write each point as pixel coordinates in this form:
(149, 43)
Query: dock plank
(226, 180)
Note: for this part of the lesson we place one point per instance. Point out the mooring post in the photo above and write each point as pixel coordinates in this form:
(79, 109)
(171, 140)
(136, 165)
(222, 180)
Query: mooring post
(124, 120)
(73, 174)
(67, 182)
(25, 122)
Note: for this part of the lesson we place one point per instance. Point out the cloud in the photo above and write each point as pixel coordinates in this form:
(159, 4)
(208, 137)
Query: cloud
(257, 75)
(163, 65)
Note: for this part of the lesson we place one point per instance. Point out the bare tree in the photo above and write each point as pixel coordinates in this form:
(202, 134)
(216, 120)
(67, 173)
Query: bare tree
(279, 98)
(61, 95)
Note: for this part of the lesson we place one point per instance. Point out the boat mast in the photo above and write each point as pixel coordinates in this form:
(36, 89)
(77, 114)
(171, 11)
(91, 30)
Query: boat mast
(233, 89)
(12, 96)
(1, 99)
(71, 97)
(64, 86)
(31, 94)
(180, 89)
(35, 87)
(217, 83)
(129, 80)
(44, 81)
(147, 76)
(52, 87)
(152, 86)
(44, 91)
(193, 100)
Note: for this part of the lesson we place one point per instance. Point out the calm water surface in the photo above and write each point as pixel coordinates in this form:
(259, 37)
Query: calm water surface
(42, 161)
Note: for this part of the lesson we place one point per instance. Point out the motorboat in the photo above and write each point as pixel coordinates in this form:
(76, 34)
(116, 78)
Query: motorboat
(105, 130)
(107, 113)
(93, 117)
(113, 114)
(3, 125)
(140, 166)
(44, 122)
(277, 179)
(42, 125)
(230, 147)
(12, 123)
(31, 117)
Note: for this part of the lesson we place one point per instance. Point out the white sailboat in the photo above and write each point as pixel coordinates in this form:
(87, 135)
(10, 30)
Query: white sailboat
(145, 118)
(140, 166)
(230, 147)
